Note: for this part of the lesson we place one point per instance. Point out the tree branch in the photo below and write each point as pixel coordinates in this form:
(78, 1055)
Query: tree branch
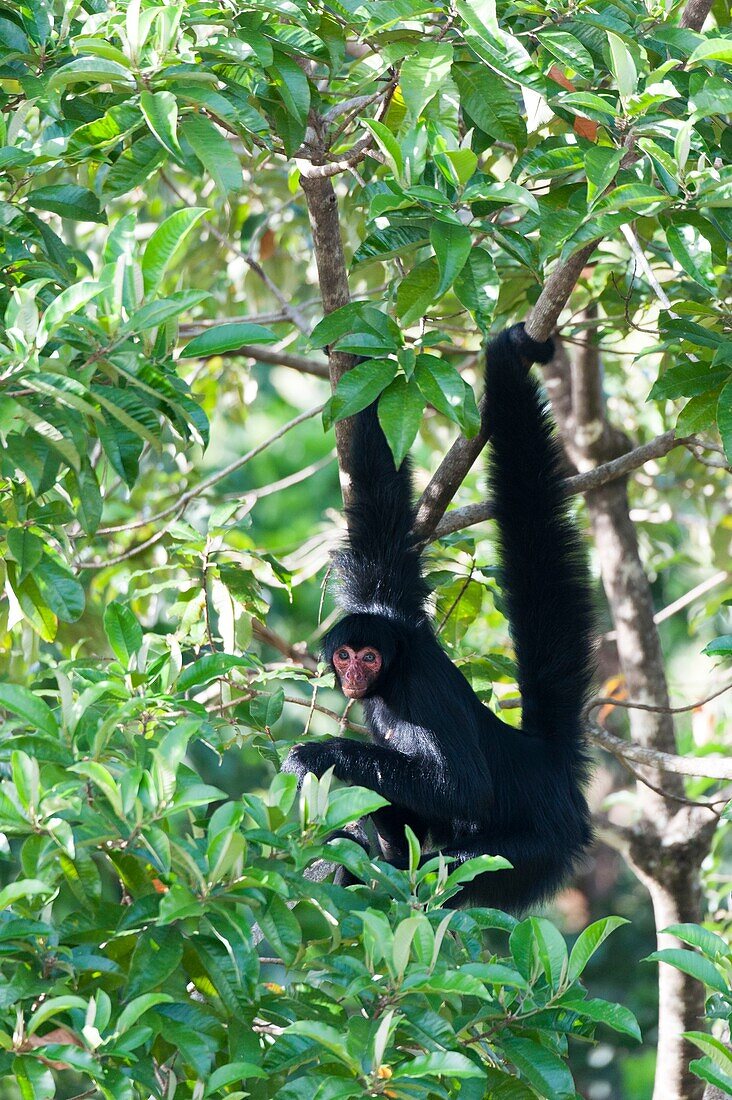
(585, 482)
(185, 498)
(301, 363)
(296, 651)
(354, 156)
(704, 767)
(457, 462)
(333, 277)
(695, 14)
(556, 293)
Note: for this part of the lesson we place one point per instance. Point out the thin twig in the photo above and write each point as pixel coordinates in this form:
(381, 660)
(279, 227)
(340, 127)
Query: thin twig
(705, 767)
(291, 312)
(681, 799)
(682, 601)
(302, 363)
(196, 490)
(628, 704)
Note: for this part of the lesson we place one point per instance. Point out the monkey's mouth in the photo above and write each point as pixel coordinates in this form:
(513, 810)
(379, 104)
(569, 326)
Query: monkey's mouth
(354, 691)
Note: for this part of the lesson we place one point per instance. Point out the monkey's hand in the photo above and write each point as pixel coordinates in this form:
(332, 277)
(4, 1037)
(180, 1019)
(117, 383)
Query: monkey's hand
(313, 758)
(338, 753)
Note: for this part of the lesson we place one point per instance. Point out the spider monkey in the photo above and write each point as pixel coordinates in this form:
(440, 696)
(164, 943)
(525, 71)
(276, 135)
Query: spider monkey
(463, 780)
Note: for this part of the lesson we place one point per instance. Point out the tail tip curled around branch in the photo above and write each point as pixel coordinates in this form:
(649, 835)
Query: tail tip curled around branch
(530, 350)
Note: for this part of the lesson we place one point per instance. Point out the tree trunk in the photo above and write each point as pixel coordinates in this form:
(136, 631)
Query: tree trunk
(670, 838)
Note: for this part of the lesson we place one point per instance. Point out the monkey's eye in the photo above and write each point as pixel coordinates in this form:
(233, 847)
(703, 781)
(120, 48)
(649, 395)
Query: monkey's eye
(342, 654)
(370, 657)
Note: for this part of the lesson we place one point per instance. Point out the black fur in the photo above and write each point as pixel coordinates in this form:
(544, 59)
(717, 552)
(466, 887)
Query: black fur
(464, 781)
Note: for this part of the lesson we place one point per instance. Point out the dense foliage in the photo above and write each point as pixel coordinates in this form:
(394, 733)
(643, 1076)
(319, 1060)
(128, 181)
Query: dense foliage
(152, 226)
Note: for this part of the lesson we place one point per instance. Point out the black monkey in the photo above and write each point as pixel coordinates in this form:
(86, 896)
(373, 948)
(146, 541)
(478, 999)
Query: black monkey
(463, 780)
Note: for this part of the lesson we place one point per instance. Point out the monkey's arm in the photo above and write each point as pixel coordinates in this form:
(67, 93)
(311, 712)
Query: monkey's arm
(414, 782)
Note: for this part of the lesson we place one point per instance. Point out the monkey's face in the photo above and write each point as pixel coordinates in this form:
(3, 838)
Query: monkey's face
(357, 669)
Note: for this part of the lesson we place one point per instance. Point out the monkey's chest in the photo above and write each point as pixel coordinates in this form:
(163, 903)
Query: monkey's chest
(396, 732)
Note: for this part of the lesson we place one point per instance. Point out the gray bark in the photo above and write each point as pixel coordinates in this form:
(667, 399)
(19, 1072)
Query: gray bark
(322, 205)
(670, 839)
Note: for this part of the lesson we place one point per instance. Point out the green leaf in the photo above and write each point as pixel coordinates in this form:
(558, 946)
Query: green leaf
(67, 303)
(76, 203)
(123, 449)
(157, 955)
(265, 710)
(165, 243)
(615, 1016)
(88, 498)
(478, 285)
(709, 943)
(233, 1073)
(713, 1048)
(724, 419)
(705, 1068)
(471, 868)
(281, 929)
(348, 804)
(23, 888)
(358, 387)
(292, 85)
(634, 196)
(417, 291)
(137, 1008)
(91, 70)
(689, 379)
(207, 668)
(542, 1069)
(31, 708)
(588, 942)
(60, 589)
(152, 314)
(457, 165)
(442, 1063)
(123, 631)
(718, 647)
(443, 386)
(400, 414)
(569, 50)
(714, 49)
(490, 103)
(601, 166)
(502, 194)
(103, 779)
(53, 1007)
(160, 110)
(33, 604)
(552, 951)
(623, 66)
(227, 337)
(690, 963)
(682, 254)
(502, 51)
(452, 243)
(26, 548)
(214, 151)
(423, 74)
(388, 144)
(698, 414)
(355, 317)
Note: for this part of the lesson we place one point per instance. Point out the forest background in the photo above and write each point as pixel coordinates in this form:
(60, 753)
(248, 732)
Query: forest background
(209, 213)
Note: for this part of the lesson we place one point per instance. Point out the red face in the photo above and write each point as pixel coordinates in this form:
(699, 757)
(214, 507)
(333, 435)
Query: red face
(357, 669)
